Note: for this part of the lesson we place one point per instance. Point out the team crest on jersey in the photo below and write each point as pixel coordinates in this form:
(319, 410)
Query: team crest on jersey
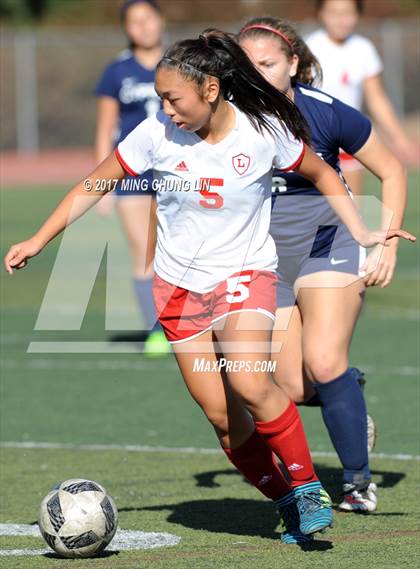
(241, 163)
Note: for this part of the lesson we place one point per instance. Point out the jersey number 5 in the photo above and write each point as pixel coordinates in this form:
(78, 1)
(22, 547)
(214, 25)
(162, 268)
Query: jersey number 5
(239, 291)
(211, 200)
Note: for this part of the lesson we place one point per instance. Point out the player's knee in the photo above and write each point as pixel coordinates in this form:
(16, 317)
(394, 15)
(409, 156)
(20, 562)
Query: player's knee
(255, 393)
(219, 420)
(324, 367)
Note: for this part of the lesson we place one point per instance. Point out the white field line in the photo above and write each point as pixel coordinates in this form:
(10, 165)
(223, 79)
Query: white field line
(188, 450)
(138, 364)
(123, 540)
(204, 347)
(164, 363)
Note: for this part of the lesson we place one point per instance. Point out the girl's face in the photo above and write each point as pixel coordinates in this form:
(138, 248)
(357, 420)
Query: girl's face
(143, 25)
(268, 57)
(339, 17)
(182, 102)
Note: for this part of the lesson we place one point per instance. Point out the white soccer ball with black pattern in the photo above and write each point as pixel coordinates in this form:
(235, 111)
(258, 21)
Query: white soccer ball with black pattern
(78, 518)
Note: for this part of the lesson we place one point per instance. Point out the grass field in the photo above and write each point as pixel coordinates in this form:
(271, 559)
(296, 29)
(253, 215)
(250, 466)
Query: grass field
(114, 399)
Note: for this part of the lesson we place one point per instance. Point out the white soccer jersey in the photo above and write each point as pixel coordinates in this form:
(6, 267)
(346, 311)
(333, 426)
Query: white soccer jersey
(345, 66)
(213, 200)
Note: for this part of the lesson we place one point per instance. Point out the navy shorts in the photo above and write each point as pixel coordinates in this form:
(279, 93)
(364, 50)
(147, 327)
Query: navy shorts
(309, 239)
(345, 258)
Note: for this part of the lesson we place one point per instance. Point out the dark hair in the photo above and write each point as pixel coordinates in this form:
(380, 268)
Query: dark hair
(125, 7)
(309, 70)
(359, 5)
(128, 3)
(217, 54)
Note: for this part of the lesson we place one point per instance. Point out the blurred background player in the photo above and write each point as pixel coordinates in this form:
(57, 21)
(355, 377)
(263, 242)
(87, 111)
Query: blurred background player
(126, 96)
(318, 258)
(351, 70)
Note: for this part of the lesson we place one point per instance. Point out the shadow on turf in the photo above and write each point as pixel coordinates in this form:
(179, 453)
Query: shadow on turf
(101, 555)
(253, 517)
(229, 515)
(330, 476)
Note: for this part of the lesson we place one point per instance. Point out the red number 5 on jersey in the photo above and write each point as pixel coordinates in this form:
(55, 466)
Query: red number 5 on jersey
(212, 200)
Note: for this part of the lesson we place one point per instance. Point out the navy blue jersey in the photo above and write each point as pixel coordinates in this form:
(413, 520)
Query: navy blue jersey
(302, 221)
(133, 86)
(333, 125)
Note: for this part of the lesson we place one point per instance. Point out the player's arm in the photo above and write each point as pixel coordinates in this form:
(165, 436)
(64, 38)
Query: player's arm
(380, 264)
(329, 184)
(76, 202)
(106, 125)
(381, 110)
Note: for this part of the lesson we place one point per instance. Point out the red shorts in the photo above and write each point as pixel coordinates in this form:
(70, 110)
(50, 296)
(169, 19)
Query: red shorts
(348, 163)
(184, 314)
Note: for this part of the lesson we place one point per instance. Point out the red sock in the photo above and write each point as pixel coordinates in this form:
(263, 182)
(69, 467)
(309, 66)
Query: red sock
(286, 438)
(257, 463)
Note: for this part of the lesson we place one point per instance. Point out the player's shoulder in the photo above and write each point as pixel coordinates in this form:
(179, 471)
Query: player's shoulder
(153, 126)
(313, 96)
(318, 98)
(158, 122)
(322, 107)
(317, 37)
(122, 59)
(361, 42)
(123, 55)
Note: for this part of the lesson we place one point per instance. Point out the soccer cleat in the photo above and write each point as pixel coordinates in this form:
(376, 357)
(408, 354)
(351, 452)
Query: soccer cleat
(372, 434)
(359, 498)
(314, 507)
(156, 345)
(289, 514)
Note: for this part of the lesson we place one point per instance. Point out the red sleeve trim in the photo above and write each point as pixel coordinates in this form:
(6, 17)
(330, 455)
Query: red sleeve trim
(124, 164)
(295, 164)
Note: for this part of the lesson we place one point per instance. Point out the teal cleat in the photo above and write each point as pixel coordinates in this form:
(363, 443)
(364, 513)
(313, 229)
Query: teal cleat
(314, 506)
(289, 514)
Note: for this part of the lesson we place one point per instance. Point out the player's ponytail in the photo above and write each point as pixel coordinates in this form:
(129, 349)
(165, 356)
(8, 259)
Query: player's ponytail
(218, 54)
(309, 70)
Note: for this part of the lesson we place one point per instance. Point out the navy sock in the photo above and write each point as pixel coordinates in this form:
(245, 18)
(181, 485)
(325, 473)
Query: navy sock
(315, 401)
(143, 290)
(344, 412)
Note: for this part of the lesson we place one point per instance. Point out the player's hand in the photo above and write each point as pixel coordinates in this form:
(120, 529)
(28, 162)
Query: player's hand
(105, 205)
(381, 236)
(380, 266)
(18, 255)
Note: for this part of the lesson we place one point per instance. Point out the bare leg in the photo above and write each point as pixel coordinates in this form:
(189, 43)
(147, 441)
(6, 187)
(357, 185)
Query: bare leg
(289, 373)
(329, 317)
(228, 416)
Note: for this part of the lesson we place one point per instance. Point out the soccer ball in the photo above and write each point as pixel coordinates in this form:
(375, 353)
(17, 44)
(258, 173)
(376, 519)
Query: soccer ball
(77, 518)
